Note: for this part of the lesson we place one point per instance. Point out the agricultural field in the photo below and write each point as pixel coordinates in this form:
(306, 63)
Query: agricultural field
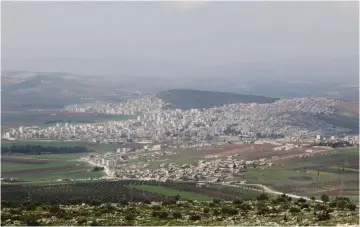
(97, 147)
(52, 143)
(47, 118)
(173, 192)
(315, 175)
(47, 167)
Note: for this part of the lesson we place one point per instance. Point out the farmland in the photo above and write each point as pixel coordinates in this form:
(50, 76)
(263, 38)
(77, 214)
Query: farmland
(46, 167)
(173, 192)
(46, 118)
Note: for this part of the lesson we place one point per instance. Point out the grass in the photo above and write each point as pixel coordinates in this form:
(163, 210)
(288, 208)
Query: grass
(8, 167)
(173, 192)
(53, 143)
(348, 151)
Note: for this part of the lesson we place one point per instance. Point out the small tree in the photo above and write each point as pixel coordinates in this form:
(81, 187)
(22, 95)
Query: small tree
(177, 197)
(262, 197)
(325, 198)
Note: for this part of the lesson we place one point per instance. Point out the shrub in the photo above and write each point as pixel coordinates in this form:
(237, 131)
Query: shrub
(177, 197)
(324, 198)
(301, 200)
(237, 202)
(195, 217)
(294, 210)
(341, 204)
(177, 215)
(322, 215)
(228, 211)
(124, 202)
(216, 212)
(206, 210)
(304, 205)
(216, 201)
(156, 207)
(95, 202)
(130, 217)
(351, 206)
(262, 197)
(81, 220)
(262, 210)
(312, 198)
(160, 214)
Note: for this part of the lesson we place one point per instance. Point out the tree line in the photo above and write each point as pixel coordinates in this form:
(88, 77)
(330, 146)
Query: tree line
(38, 150)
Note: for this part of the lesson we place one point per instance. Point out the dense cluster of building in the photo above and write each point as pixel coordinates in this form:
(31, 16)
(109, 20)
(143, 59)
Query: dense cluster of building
(235, 122)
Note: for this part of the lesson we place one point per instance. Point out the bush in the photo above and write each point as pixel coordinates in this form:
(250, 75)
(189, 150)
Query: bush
(228, 211)
(216, 201)
(95, 202)
(206, 210)
(301, 200)
(262, 210)
(130, 217)
(312, 198)
(124, 202)
(304, 205)
(177, 215)
(160, 214)
(294, 210)
(319, 207)
(262, 197)
(351, 206)
(237, 202)
(216, 212)
(30, 221)
(325, 198)
(177, 197)
(322, 215)
(195, 217)
(55, 209)
(81, 220)
(341, 204)
(156, 207)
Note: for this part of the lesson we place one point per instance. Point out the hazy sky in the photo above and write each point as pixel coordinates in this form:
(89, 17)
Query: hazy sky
(202, 32)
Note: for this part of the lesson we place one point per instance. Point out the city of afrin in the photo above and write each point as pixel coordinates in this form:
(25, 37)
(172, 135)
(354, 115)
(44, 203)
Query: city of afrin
(286, 162)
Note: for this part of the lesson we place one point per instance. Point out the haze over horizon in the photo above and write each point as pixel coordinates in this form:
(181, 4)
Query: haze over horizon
(194, 34)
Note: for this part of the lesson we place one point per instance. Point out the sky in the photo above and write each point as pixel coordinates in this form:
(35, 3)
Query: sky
(198, 32)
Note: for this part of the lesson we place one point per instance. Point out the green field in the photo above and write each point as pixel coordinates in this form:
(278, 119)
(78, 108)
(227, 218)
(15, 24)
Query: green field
(53, 143)
(6, 167)
(173, 192)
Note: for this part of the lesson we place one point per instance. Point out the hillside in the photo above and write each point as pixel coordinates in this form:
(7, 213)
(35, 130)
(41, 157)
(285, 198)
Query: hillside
(22, 90)
(188, 98)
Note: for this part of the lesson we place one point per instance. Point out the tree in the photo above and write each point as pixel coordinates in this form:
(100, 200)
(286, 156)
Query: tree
(262, 197)
(177, 197)
(324, 198)
(351, 206)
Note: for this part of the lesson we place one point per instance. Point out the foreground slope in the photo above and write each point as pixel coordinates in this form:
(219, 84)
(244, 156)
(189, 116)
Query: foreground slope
(189, 99)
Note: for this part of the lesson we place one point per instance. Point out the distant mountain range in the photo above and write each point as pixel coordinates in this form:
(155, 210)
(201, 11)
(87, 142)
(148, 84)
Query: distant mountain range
(197, 99)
